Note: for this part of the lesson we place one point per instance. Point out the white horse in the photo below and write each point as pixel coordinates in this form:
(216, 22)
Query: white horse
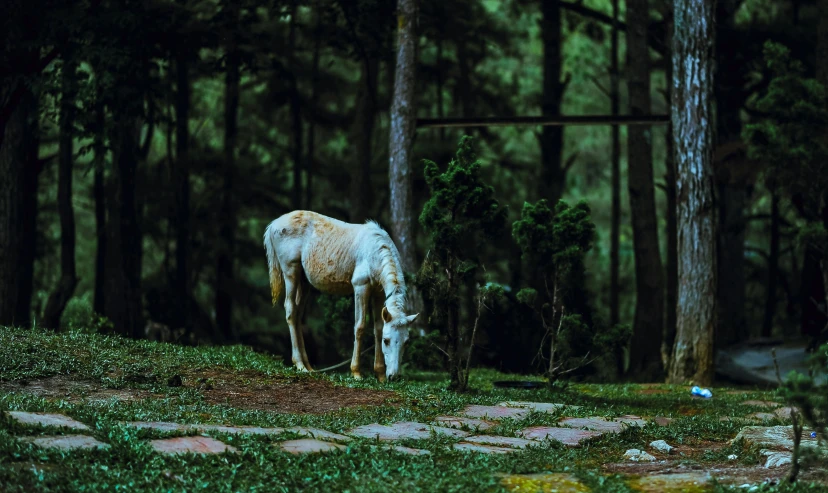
(305, 248)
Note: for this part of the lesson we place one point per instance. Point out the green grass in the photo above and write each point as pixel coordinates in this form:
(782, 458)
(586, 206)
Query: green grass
(130, 465)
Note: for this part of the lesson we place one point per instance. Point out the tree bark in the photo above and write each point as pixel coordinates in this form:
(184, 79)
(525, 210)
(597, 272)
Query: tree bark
(13, 160)
(773, 266)
(123, 260)
(68, 275)
(99, 192)
(225, 274)
(181, 185)
(615, 221)
(553, 176)
(362, 196)
(401, 140)
(693, 38)
(648, 326)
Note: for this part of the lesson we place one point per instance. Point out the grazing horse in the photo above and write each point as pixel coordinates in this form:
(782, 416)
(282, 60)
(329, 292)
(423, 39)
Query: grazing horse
(308, 249)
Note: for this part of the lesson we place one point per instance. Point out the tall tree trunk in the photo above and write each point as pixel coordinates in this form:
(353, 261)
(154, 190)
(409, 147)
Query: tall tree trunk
(671, 292)
(13, 159)
(822, 77)
(295, 113)
(99, 192)
(693, 37)
(645, 350)
(181, 185)
(615, 222)
(773, 266)
(403, 113)
(553, 175)
(28, 221)
(123, 266)
(68, 276)
(227, 217)
(363, 132)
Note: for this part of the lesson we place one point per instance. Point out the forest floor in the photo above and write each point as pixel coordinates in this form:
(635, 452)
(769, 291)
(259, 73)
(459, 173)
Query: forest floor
(83, 412)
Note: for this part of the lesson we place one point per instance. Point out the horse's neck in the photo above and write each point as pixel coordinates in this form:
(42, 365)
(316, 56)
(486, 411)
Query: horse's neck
(391, 278)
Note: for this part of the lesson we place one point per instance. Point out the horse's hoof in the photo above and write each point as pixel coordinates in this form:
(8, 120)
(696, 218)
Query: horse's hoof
(357, 376)
(381, 378)
(302, 369)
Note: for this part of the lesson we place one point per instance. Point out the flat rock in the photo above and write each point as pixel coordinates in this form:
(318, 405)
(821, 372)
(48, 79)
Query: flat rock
(761, 416)
(319, 434)
(567, 436)
(159, 426)
(756, 403)
(484, 449)
(636, 455)
(774, 437)
(409, 450)
(495, 412)
(309, 446)
(551, 482)
(499, 441)
(777, 459)
(541, 407)
(403, 430)
(616, 425)
(661, 446)
(461, 422)
(47, 419)
(190, 445)
(66, 442)
(670, 483)
(662, 421)
(238, 430)
(784, 412)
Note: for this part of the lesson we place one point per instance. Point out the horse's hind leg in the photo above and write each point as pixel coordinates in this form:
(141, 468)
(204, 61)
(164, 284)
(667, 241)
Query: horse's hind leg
(303, 296)
(292, 275)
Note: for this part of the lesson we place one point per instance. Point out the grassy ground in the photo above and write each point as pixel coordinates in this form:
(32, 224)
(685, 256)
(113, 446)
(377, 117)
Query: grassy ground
(141, 368)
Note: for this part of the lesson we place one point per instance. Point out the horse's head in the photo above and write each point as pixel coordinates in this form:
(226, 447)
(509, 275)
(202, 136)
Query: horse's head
(394, 337)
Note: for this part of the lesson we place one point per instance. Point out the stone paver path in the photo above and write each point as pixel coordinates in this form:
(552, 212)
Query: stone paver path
(615, 425)
(541, 407)
(568, 436)
(460, 422)
(66, 442)
(408, 450)
(47, 419)
(485, 449)
(403, 430)
(194, 445)
(308, 445)
(495, 412)
(498, 441)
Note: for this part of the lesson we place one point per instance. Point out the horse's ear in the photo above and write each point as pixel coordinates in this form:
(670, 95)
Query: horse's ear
(386, 317)
(412, 318)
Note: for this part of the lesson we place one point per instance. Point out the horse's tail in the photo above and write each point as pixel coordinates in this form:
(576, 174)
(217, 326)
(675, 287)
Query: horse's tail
(273, 268)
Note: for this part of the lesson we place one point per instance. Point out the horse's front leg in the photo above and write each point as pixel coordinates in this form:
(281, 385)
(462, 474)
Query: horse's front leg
(360, 311)
(379, 358)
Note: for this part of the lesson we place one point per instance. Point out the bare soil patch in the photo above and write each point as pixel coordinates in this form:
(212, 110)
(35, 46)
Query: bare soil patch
(303, 395)
(63, 387)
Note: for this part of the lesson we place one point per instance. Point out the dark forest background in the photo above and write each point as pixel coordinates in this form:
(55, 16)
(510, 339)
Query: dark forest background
(149, 143)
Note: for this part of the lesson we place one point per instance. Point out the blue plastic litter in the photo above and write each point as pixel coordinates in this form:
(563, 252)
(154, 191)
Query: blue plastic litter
(813, 434)
(699, 392)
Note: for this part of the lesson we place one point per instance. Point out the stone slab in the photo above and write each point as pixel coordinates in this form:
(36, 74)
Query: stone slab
(233, 430)
(546, 482)
(615, 425)
(159, 426)
(777, 459)
(662, 421)
(499, 441)
(318, 434)
(309, 446)
(495, 412)
(784, 412)
(66, 442)
(402, 430)
(541, 407)
(460, 422)
(47, 419)
(409, 450)
(483, 449)
(774, 437)
(568, 436)
(761, 416)
(190, 445)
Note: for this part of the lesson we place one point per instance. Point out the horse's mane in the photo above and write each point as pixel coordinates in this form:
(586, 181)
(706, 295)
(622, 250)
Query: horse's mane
(391, 273)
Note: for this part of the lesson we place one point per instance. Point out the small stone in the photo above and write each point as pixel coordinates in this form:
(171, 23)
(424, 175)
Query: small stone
(485, 449)
(495, 412)
(66, 442)
(636, 455)
(190, 445)
(460, 422)
(309, 446)
(662, 421)
(732, 457)
(778, 459)
(47, 419)
(567, 436)
(661, 446)
(499, 441)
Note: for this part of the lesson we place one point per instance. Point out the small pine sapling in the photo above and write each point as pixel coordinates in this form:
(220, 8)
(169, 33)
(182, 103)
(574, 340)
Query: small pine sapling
(459, 217)
(554, 242)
